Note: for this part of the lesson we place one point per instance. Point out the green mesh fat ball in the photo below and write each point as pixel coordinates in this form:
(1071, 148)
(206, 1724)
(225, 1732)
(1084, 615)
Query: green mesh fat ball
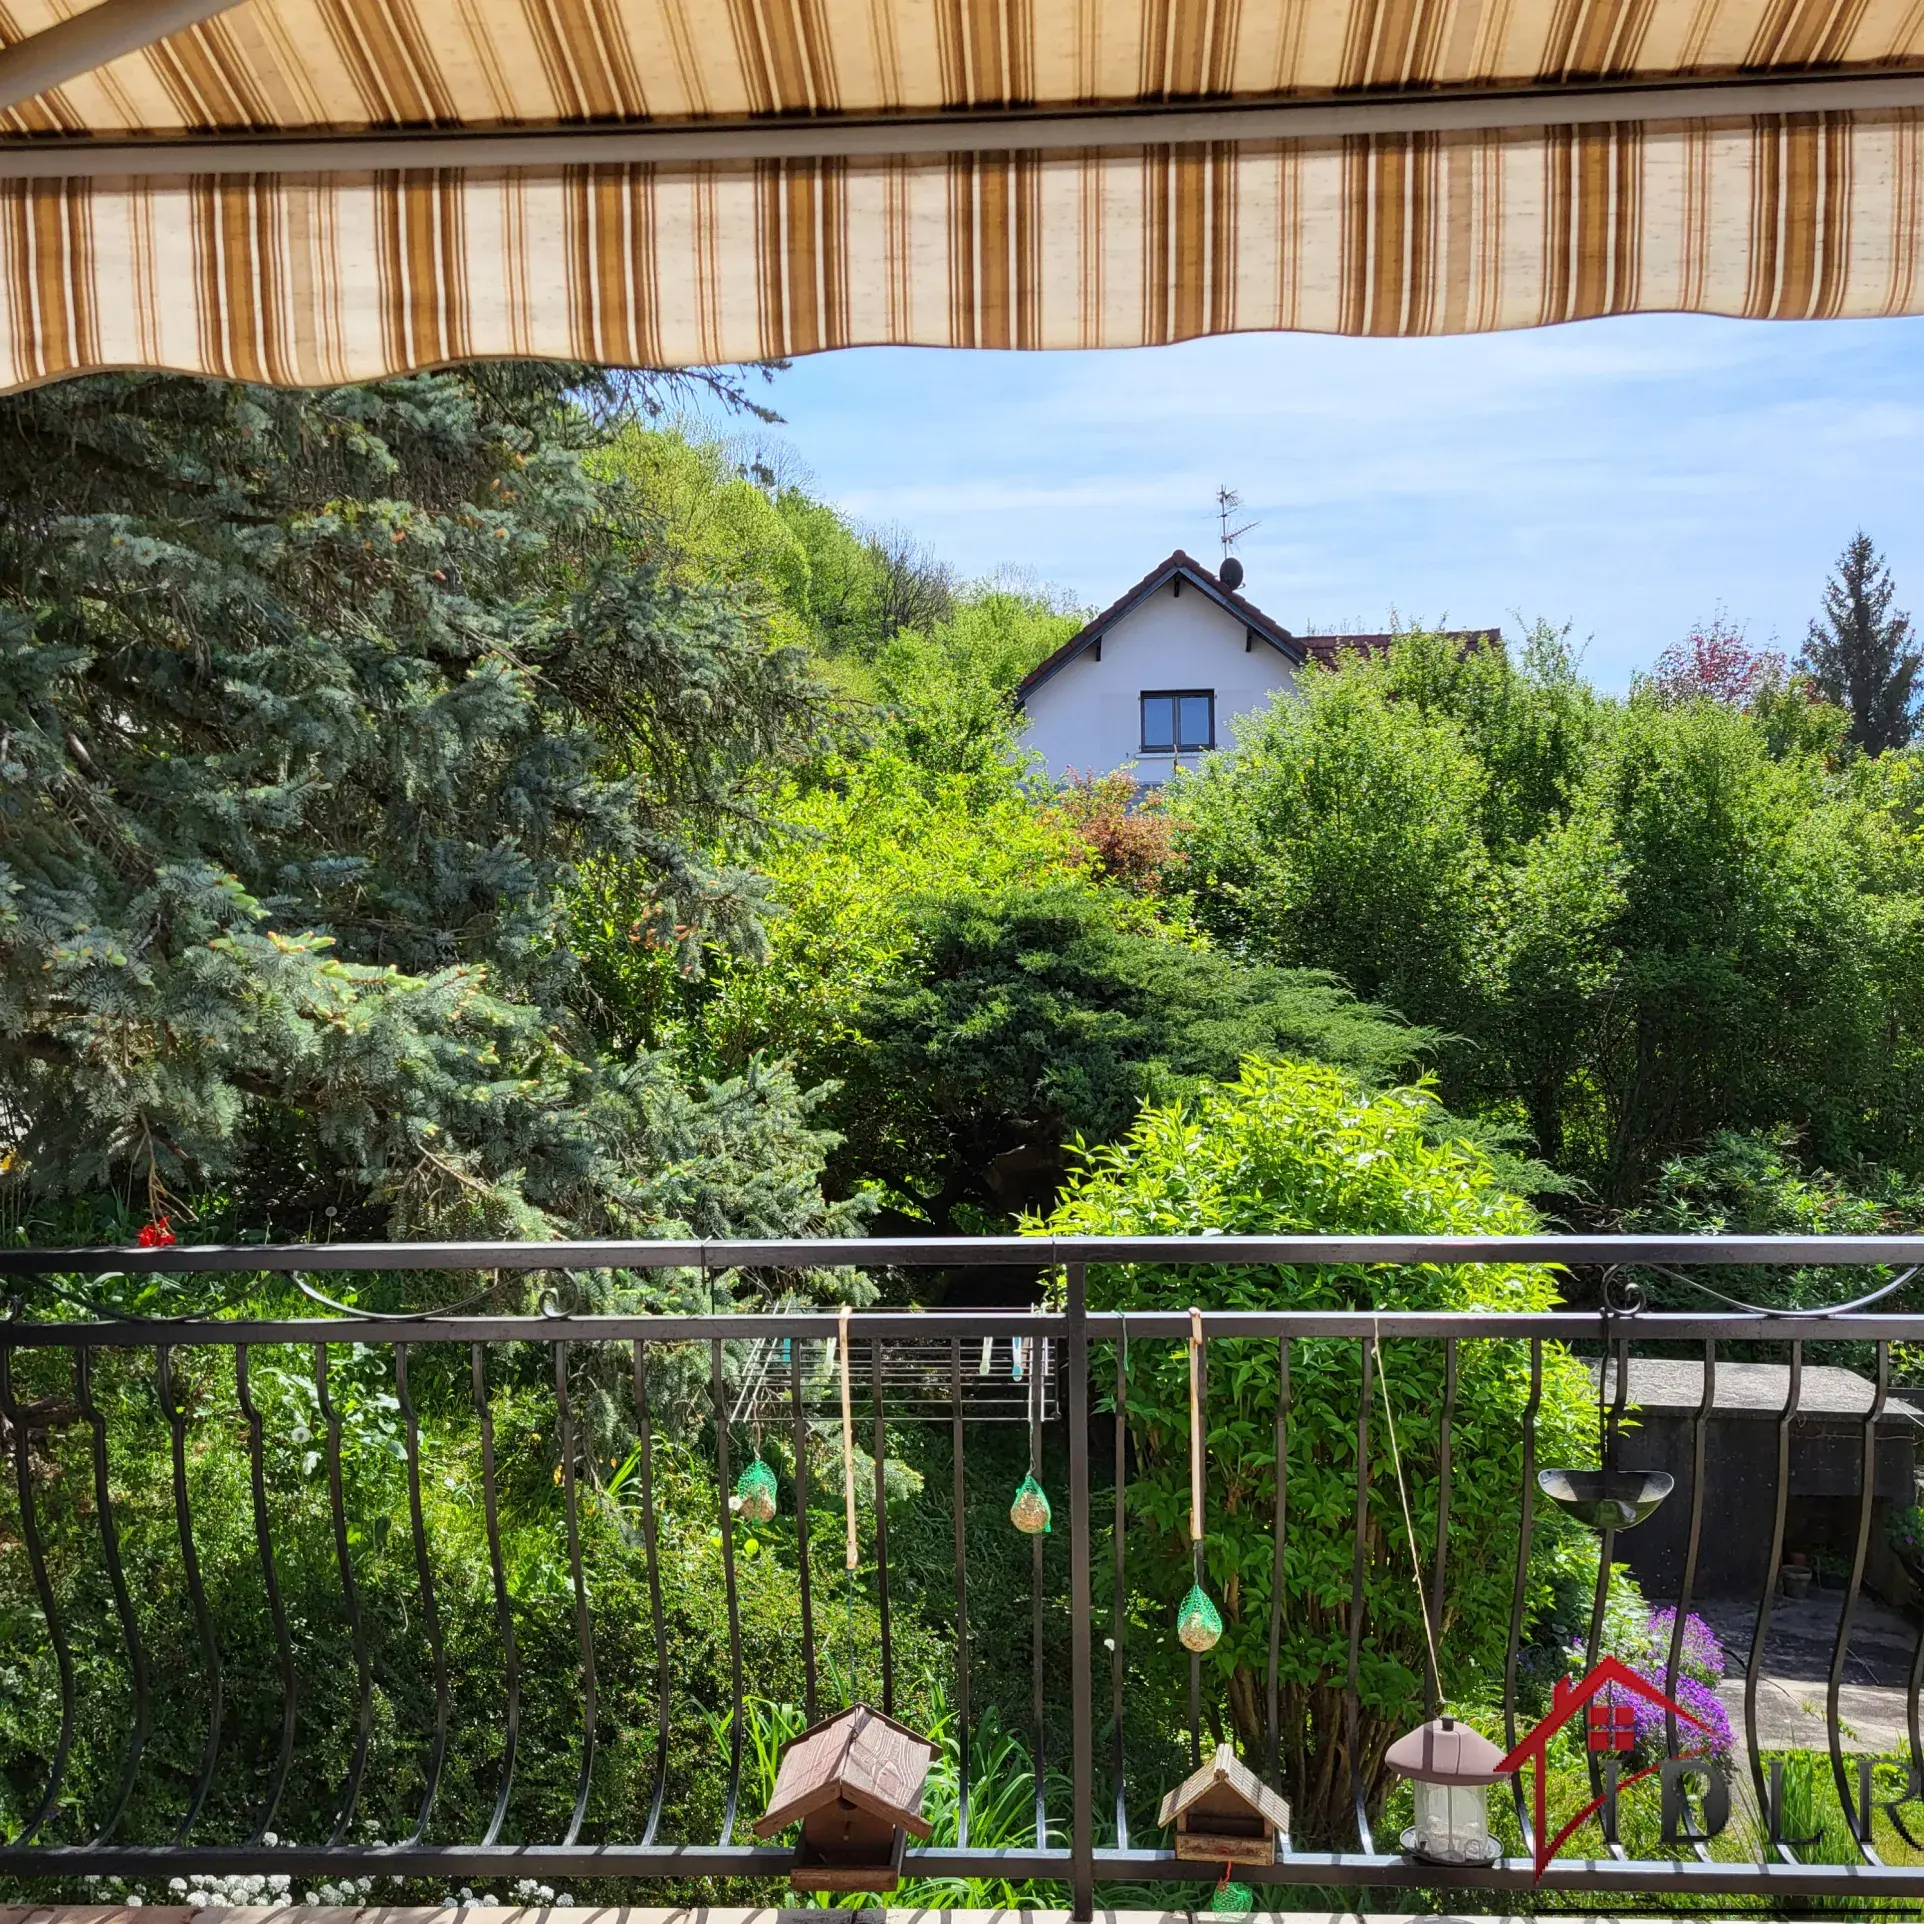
(1198, 1623)
(755, 1493)
(1030, 1510)
(1233, 1898)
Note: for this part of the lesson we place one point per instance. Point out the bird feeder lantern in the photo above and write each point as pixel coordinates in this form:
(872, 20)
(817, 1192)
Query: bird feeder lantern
(1451, 1767)
(1225, 1814)
(856, 1782)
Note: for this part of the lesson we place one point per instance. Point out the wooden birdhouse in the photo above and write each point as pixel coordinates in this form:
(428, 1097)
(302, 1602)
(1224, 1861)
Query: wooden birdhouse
(1226, 1814)
(856, 1781)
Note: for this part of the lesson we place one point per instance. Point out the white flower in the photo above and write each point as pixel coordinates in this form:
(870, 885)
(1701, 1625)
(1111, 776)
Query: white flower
(270, 1837)
(135, 1898)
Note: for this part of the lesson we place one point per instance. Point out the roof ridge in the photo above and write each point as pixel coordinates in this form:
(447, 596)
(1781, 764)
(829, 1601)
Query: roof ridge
(1177, 562)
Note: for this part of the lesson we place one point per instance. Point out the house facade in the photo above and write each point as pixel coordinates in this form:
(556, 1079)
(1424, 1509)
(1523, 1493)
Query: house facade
(1155, 681)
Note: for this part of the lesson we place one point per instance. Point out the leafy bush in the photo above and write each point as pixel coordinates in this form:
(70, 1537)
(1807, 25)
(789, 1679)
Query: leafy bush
(1642, 921)
(1131, 834)
(1017, 1022)
(1290, 1148)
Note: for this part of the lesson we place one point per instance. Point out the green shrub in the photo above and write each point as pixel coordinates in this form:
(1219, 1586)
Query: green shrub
(1292, 1148)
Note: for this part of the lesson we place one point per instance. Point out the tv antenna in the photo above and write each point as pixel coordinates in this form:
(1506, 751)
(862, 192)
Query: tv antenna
(1229, 504)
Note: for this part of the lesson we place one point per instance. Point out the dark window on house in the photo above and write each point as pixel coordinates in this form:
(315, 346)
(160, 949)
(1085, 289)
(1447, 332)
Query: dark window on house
(1177, 720)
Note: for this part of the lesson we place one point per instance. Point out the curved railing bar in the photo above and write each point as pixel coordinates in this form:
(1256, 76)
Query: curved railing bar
(1766, 1603)
(645, 1447)
(1860, 1822)
(1278, 1572)
(1432, 1684)
(1518, 1597)
(1611, 1426)
(1352, 1696)
(117, 1580)
(108, 1313)
(354, 1313)
(197, 1595)
(276, 1610)
(584, 1623)
(1034, 1354)
(804, 1575)
(960, 1537)
(430, 1609)
(1913, 1684)
(350, 1596)
(503, 1608)
(1699, 1437)
(1763, 1310)
(43, 1589)
(886, 1619)
(724, 1482)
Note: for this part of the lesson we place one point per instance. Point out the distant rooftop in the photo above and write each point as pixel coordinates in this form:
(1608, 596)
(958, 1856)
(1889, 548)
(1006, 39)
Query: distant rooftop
(1326, 648)
(1260, 626)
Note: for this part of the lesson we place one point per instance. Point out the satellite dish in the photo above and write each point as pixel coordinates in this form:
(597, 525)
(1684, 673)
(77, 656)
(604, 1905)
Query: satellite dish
(1231, 573)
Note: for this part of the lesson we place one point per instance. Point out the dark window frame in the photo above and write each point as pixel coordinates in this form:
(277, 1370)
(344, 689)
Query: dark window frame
(1177, 746)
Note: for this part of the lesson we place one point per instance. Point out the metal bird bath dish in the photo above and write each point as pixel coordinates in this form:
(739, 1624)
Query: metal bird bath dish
(1610, 1498)
(1606, 1499)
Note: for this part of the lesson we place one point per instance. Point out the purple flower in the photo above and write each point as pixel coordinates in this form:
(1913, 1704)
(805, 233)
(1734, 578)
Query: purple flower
(1702, 1654)
(1700, 1664)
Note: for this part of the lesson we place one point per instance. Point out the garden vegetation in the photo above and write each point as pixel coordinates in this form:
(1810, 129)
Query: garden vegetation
(477, 805)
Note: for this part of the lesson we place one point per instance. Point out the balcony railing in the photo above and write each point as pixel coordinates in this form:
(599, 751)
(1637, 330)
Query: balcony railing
(1069, 1380)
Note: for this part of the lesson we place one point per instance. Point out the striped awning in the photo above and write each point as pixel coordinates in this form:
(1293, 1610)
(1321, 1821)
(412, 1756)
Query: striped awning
(324, 190)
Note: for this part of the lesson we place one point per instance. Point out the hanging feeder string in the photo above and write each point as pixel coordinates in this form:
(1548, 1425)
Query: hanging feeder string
(1198, 1622)
(1409, 1524)
(1195, 1429)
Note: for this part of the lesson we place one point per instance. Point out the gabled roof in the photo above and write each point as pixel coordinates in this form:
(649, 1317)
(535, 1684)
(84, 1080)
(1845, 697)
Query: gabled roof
(1226, 1768)
(859, 1756)
(1190, 570)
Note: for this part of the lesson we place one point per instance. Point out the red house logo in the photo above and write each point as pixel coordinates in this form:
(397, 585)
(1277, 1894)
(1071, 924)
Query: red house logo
(1612, 1730)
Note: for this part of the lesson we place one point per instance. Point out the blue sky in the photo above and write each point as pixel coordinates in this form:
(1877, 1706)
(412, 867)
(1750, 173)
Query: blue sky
(1626, 477)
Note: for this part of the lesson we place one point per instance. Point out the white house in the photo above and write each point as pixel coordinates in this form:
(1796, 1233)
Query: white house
(1156, 679)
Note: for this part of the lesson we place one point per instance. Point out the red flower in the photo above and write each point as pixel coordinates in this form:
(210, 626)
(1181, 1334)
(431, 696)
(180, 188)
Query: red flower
(156, 1234)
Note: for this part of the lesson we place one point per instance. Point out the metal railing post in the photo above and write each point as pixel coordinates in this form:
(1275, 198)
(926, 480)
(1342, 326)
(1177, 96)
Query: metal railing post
(1082, 1848)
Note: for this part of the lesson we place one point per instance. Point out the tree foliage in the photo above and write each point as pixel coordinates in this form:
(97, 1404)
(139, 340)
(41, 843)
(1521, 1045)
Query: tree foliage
(1714, 662)
(1020, 1022)
(315, 706)
(1862, 654)
(1606, 904)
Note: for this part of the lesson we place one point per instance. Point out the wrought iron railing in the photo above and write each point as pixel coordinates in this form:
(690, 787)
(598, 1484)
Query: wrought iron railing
(1082, 1832)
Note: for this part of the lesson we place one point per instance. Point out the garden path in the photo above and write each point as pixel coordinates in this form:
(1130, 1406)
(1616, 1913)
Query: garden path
(1797, 1657)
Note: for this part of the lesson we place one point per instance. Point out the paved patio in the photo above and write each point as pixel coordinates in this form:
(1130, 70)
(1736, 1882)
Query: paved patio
(1797, 1657)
